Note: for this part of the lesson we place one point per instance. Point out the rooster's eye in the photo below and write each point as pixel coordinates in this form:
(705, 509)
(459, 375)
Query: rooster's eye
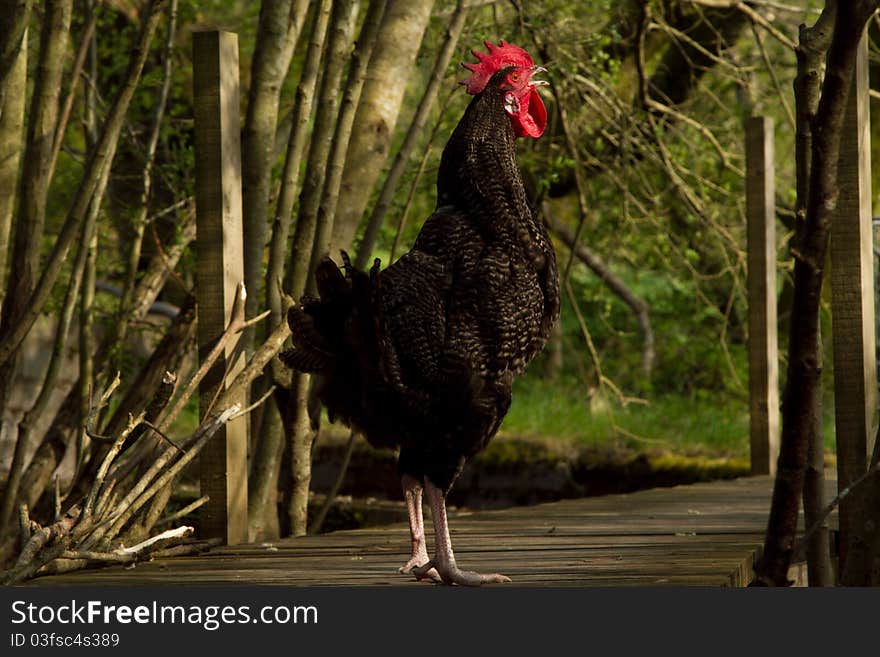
(514, 77)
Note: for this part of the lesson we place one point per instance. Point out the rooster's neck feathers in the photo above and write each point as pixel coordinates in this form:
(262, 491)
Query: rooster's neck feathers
(478, 169)
(479, 176)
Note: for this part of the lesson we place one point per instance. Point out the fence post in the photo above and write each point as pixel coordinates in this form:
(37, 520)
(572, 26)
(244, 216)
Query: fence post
(763, 342)
(220, 269)
(852, 297)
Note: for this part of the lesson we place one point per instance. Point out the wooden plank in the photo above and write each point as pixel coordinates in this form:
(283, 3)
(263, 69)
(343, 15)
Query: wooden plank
(763, 341)
(852, 301)
(701, 535)
(220, 270)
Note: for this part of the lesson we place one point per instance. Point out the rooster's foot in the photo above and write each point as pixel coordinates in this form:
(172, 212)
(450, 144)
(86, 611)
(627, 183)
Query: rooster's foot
(415, 565)
(450, 574)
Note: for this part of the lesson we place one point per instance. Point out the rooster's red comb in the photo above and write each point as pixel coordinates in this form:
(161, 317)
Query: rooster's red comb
(505, 54)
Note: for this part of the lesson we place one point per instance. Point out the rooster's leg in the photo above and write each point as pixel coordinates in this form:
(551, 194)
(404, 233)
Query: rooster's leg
(412, 493)
(444, 559)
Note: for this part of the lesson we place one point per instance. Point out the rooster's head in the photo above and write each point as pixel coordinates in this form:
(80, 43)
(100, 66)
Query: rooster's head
(521, 100)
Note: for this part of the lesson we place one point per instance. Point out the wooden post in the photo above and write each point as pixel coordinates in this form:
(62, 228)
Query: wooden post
(852, 300)
(220, 269)
(763, 344)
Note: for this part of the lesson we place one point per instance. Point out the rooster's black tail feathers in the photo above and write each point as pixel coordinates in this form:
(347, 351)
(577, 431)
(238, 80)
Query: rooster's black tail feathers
(317, 325)
(310, 353)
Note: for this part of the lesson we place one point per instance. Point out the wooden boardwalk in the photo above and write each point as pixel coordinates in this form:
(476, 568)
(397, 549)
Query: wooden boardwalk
(699, 535)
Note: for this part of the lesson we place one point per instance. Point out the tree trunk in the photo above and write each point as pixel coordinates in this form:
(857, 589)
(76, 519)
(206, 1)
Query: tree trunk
(280, 25)
(14, 18)
(391, 66)
(143, 297)
(11, 147)
(28, 226)
(264, 476)
(336, 55)
(299, 274)
(42, 120)
(12, 336)
(139, 221)
(812, 48)
(265, 467)
(416, 128)
(65, 319)
(802, 402)
(301, 436)
(279, 29)
(27, 229)
(267, 458)
(336, 162)
(86, 383)
(279, 247)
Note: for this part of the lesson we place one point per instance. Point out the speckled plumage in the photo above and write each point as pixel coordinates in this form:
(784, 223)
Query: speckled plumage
(422, 355)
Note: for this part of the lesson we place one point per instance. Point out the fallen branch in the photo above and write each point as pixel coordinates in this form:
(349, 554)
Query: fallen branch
(108, 459)
(236, 323)
(185, 511)
(109, 512)
(92, 420)
(73, 560)
(143, 490)
(178, 532)
(186, 548)
(27, 567)
(256, 404)
(40, 538)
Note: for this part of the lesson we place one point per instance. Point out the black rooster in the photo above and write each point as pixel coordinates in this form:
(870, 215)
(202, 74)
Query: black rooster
(422, 355)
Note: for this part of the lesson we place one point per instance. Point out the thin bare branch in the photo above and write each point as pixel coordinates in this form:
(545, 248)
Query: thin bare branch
(236, 323)
(185, 511)
(140, 219)
(256, 404)
(162, 435)
(89, 505)
(75, 75)
(159, 475)
(783, 99)
(754, 16)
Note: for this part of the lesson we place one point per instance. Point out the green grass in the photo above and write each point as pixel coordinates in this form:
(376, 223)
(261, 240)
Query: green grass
(715, 425)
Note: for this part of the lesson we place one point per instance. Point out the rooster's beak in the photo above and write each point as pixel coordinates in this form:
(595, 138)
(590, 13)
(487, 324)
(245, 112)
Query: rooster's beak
(537, 83)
